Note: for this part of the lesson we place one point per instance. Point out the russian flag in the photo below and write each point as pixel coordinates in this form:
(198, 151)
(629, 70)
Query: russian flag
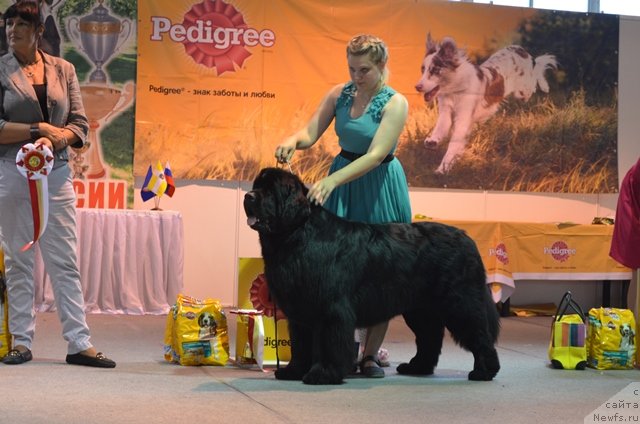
(168, 176)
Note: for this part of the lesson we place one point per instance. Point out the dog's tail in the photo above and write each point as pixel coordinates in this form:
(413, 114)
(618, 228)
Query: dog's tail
(541, 64)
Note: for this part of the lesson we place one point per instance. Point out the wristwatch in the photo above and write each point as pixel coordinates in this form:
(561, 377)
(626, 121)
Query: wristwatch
(34, 131)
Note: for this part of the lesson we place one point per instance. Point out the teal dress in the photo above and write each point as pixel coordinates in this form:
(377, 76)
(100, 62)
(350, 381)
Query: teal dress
(382, 194)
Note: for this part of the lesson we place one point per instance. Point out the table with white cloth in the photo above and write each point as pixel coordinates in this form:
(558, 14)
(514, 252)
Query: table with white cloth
(130, 261)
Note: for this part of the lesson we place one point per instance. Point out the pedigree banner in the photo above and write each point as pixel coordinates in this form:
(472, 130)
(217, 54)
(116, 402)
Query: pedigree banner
(499, 100)
(514, 251)
(494, 252)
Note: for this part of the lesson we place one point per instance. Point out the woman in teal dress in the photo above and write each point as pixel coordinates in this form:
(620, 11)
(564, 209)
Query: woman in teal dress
(366, 182)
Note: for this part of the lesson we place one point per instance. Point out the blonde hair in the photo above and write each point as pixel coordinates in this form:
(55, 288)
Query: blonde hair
(374, 48)
(370, 45)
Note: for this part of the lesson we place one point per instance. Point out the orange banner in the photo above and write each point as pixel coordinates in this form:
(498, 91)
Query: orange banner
(221, 82)
(536, 251)
(563, 252)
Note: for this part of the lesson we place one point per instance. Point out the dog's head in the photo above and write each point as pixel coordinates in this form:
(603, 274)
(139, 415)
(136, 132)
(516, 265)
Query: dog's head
(277, 203)
(626, 330)
(206, 320)
(439, 63)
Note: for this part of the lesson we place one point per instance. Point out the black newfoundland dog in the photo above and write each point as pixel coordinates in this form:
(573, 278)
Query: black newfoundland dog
(330, 276)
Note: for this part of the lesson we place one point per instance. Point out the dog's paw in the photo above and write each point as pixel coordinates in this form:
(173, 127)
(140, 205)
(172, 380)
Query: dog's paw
(288, 373)
(412, 369)
(443, 168)
(482, 375)
(320, 375)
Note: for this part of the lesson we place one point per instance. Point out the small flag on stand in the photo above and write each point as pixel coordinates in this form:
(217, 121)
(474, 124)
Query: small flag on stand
(145, 192)
(168, 176)
(157, 182)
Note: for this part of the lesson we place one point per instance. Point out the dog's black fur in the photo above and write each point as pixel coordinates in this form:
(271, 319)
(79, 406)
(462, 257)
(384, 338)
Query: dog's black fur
(330, 275)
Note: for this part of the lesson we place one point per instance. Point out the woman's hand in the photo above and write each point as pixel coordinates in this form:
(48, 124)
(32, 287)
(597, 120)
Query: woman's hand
(321, 190)
(54, 134)
(45, 141)
(285, 150)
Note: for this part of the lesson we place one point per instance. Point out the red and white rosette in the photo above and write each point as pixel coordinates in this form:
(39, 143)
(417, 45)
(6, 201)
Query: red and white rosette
(35, 163)
(261, 299)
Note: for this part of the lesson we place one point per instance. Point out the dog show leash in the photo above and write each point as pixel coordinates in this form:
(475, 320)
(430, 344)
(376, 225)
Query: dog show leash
(279, 164)
(275, 333)
(287, 162)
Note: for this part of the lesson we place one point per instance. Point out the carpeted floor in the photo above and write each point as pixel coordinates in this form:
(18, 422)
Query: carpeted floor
(145, 389)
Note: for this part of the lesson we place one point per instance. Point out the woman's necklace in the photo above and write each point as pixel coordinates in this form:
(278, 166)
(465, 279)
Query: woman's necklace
(28, 72)
(29, 68)
(364, 103)
(366, 99)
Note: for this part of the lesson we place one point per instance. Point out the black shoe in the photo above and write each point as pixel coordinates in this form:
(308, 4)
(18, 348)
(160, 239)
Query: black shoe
(371, 371)
(99, 361)
(16, 357)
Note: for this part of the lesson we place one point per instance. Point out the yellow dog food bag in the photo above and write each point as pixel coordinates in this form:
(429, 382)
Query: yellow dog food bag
(170, 353)
(611, 339)
(196, 332)
(5, 336)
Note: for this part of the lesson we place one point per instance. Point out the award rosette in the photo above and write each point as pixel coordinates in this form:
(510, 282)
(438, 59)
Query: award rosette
(261, 299)
(35, 163)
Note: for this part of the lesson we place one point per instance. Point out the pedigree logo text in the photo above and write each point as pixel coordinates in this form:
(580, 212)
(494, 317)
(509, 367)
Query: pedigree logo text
(214, 34)
(500, 252)
(559, 251)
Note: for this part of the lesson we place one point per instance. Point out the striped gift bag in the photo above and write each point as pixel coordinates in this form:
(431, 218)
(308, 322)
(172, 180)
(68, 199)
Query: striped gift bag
(567, 348)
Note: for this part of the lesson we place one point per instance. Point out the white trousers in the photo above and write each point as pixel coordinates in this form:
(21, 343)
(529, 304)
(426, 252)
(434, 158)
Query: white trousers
(58, 248)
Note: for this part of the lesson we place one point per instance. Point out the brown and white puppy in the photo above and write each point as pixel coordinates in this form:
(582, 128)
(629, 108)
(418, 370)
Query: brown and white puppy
(469, 93)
